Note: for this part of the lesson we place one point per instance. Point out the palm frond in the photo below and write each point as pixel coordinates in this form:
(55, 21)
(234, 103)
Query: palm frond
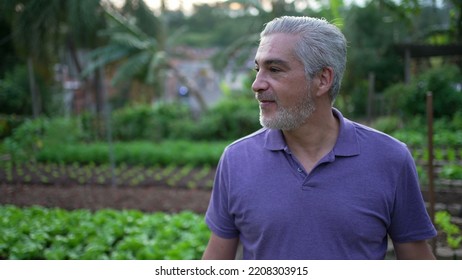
(129, 40)
(239, 50)
(104, 56)
(132, 67)
(173, 38)
(158, 61)
(124, 23)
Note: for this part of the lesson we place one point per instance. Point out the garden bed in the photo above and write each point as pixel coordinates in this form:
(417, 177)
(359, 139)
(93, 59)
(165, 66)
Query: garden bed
(169, 189)
(147, 199)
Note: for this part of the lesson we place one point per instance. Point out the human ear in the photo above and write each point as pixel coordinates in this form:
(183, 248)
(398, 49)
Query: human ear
(325, 80)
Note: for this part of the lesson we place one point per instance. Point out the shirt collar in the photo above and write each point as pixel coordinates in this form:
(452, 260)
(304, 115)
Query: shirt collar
(347, 142)
(346, 145)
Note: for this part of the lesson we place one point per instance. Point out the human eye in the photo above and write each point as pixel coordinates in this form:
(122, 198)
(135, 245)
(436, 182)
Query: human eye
(256, 68)
(274, 69)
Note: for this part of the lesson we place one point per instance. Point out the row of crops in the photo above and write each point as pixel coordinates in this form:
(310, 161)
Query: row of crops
(57, 234)
(195, 174)
(173, 176)
(447, 163)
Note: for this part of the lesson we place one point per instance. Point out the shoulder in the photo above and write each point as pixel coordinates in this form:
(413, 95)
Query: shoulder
(359, 139)
(256, 147)
(251, 141)
(375, 137)
(379, 145)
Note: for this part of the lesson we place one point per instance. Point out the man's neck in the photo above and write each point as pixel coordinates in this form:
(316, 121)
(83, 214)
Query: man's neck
(314, 139)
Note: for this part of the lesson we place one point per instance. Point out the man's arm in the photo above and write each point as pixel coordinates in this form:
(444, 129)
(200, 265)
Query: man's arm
(418, 250)
(220, 248)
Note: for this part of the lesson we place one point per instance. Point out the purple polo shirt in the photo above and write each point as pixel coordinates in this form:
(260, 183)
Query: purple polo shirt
(363, 190)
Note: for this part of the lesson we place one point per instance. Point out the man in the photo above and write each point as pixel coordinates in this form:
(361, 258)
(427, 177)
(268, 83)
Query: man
(311, 184)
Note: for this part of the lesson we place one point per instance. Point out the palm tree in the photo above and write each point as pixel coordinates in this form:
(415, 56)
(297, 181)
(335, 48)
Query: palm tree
(42, 29)
(138, 55)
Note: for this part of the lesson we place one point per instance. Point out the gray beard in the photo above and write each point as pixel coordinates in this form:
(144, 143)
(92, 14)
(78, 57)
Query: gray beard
(289, 118)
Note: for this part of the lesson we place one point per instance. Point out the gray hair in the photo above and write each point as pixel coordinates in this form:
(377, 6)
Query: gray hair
(321, 45)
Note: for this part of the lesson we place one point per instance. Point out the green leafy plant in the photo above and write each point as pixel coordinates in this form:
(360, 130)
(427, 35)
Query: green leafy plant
(452, 231)
(43, 233)
(452, 171)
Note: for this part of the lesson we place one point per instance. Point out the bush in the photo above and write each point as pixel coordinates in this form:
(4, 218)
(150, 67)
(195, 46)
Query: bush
(443, 82)
(229, 120)
(34, 134)
(144, 122)
(15, 92)
(8, 123)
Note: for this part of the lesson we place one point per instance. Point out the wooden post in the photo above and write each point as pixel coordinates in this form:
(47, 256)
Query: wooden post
(407, 66)
(371, 97)
(431, 186)
(36, 101)
(107, 121)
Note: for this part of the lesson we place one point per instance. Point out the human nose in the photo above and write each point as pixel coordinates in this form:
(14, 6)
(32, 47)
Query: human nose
(260, 83)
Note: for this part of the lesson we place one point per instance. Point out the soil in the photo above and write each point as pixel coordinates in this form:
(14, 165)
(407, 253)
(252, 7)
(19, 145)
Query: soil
(74, 187)
(147, 199)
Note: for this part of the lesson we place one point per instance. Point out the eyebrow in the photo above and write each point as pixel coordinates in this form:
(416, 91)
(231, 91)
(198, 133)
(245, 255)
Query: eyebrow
(274, 61)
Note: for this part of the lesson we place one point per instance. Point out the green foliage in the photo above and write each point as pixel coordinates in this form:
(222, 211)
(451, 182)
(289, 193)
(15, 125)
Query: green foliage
(14, 92)
(136, 153)
(446, 131)
(411, 137)
(411, 99)
(452, 171)
(8, 123)
(35, 134)
(370, 40)
(417, 138)
(387, 124)
(57, 234)
(232, 118)
(452, 231)
(145, 122)
(225, 30)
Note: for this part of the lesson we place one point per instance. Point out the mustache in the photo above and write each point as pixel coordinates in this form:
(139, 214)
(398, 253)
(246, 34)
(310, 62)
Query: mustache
(265, 96)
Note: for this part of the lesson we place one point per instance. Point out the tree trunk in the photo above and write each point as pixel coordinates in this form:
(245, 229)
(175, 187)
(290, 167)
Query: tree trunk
(36, 100)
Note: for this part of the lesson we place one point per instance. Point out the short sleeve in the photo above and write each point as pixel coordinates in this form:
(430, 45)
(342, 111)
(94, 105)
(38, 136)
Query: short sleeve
(218, 217)
(410, 220)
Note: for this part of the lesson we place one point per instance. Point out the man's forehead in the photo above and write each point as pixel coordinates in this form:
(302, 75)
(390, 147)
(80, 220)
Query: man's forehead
(276, 49)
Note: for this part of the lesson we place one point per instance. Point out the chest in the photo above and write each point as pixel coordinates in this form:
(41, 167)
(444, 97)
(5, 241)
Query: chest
(330, 200)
